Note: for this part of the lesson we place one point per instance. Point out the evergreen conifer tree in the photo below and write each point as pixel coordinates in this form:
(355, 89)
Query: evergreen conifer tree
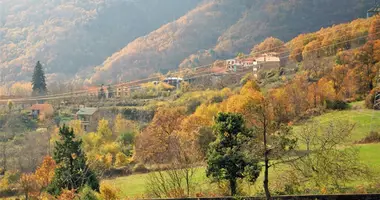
(38, 81)
(72, 171)
(227, 158)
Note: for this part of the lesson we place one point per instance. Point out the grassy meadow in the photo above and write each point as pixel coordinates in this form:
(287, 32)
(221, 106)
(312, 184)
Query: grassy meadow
(134, 185)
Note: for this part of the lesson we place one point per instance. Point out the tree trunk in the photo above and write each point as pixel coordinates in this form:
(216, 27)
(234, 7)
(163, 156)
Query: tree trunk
(233, 187)
(266, 181)
(188, 182)
(266, 160)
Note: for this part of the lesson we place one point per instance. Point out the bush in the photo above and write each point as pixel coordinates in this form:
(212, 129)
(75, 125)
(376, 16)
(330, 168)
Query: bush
(192, 106)
(140, 168)
(117, 172)
(372, 137)
(107, 192)
(144, 115)
(337, 105)
(88, 194)
(217, 99)
(8, 183)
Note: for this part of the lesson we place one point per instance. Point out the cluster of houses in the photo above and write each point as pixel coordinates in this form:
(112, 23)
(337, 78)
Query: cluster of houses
(263, 61)
(266, 61)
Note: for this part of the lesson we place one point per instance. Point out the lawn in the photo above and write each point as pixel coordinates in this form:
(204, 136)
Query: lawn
(364, 120)
(134, 186)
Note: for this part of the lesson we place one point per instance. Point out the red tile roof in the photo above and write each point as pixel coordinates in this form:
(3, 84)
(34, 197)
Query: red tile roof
(41, 107)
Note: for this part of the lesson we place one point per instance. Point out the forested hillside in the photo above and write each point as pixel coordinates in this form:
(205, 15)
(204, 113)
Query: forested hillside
(94, 40)
(220, 29)
(68, 36)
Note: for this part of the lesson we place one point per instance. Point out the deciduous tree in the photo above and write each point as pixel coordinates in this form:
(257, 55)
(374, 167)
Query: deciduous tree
(45, 173)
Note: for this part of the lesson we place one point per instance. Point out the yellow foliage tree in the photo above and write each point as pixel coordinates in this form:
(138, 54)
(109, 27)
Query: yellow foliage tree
(108, 192)
(104, 129)
(121, 160)
(76, 125)
(122, 125)
(92, 141)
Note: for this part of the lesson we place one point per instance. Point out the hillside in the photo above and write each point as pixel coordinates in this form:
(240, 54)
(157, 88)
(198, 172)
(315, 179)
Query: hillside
(200, 37)
(94, 40)
(68, 36)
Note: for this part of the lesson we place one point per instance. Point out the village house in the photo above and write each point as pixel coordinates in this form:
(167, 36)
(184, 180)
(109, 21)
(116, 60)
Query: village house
(268, 61)
(234, 64)
(89, 118)
(41, 111)
(121, 91)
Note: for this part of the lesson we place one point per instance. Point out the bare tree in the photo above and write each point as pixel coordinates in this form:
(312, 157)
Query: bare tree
(328, 163)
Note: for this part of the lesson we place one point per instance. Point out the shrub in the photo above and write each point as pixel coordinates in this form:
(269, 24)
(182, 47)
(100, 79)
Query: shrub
(121, 159)
(140, 168)
(108, 192)
(67, 195)
(217, 99)
(192, 106)
(88, 194)
(138, 114)
(337, 105)
(372, 137)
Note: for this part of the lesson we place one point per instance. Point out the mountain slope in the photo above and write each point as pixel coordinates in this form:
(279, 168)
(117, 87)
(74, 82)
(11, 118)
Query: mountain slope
(69, 36)
(283, 20)
(232, 26)
(118, 40)
(165, 47)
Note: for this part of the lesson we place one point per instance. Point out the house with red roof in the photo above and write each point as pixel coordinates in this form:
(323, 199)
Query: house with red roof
(41, 111)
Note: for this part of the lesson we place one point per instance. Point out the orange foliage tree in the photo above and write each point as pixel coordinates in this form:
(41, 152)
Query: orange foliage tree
(67, 195)
(29, 185)
(270, 44)
(158, 143)
(45, 173)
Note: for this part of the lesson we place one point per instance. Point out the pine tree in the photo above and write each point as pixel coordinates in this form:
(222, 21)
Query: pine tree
(227, 158)
(72, 171)
(38, 81)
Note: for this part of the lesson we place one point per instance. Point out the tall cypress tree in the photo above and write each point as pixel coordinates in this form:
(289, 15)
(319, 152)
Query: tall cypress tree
(72, 171)
(38, 81)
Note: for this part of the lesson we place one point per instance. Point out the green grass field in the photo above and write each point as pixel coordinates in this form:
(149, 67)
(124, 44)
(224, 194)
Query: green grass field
(134, 186)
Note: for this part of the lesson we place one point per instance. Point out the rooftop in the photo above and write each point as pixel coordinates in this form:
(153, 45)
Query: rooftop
(87, 111)
(41, 107)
